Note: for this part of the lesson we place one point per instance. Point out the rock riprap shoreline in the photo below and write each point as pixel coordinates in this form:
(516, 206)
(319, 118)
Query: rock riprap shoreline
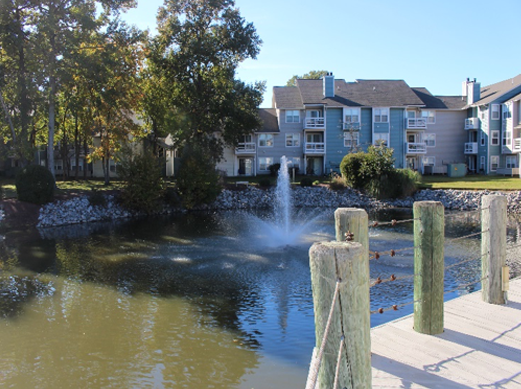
(79, 210)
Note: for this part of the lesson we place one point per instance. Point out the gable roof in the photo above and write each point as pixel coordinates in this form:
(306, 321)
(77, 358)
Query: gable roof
(440, 102)
(361, 93)
(269, 120)
(493, 92)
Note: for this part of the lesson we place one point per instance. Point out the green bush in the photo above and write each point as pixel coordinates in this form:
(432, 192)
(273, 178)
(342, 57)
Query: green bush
(171, 197)
(265, 182)
(351, 170)
(35, 184)
(274, 169)
(397, 183)
(306, 181)
(143, 181)
(197, 179)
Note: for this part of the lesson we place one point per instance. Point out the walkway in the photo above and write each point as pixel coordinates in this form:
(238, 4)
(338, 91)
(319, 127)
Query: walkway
(480, 348)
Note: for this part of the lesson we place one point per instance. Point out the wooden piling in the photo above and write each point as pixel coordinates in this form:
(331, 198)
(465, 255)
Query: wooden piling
(353, 221)
(493, 247)
(429, 231)
(329, 262)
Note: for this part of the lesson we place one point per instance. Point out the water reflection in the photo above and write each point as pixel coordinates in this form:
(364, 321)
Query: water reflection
(198, 300)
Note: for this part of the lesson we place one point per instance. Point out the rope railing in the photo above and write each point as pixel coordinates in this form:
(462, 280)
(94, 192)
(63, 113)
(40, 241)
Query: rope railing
(377, 254)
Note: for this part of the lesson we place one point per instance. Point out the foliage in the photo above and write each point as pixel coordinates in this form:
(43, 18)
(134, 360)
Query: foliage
(312, 75)
(199, 46)
(306, 181)
(35, 184)
(265, 182)
(197, 179)
(144, 185)
(378, 162)
(171, 197)
(337, 183)
(97, 198)
(397, 183)
(274, 169)
(351, 169)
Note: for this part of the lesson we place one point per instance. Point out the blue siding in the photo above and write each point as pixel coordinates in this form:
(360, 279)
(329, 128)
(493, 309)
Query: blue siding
(366, 128)
(397, 140)
(334, 136)
(381, 127)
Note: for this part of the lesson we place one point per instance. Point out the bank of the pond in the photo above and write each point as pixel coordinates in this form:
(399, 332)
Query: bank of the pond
(79, 210)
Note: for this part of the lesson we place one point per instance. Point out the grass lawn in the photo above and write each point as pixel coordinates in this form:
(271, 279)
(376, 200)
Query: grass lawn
(472, 182)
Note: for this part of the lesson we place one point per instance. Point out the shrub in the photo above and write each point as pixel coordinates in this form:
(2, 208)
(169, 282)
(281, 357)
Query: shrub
(306, 181)
(317, 182)
(397, 183)
(35, 184)
(197, 179)
(97, 198)
(337, 183)
(274, 169)
(144, 185)
(351, 169)
(171, 197)
(265, 182)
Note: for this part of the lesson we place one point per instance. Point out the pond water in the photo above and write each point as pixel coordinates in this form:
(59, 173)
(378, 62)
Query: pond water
(193, 301)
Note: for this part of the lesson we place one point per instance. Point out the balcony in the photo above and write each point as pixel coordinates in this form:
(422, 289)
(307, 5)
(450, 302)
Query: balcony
(314, 123)
(517, 144)
(245, 148)
(472, 124)
(416, 124)
(314, 148)
(416, 148)
(471, 148)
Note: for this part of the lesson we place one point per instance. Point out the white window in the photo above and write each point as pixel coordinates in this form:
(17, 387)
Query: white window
(482, 139)
(293, 116)
(430, 140)
(293, 140)
(351, 115)
(506, 112)
(265, 163)
(511, 161)
(428, 160)
(495, 112)
(507, 137)
(381, 138)
(494, 163)
(381, 115)
(429, 116)
(351, 139)
(265, 140)
(482, 163)
(494, 138)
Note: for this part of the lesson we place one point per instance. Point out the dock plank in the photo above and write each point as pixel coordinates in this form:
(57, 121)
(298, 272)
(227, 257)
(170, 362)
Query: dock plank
(479, 348)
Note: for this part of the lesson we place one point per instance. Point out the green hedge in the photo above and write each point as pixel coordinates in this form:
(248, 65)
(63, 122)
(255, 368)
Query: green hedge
(35, 184)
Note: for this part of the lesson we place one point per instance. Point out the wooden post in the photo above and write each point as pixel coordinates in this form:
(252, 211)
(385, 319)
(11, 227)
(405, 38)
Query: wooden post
(329, 262)
(429, 235)
(355, 221)
(493, 247)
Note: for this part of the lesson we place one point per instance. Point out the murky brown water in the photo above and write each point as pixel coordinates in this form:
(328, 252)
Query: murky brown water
(198, 301)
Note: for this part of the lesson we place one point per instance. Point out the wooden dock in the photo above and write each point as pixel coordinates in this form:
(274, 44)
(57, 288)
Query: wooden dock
(479, 348)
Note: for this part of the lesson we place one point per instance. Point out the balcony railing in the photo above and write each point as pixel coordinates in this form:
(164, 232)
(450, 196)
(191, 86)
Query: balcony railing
(314, 123)
(314, 147)
(416, 148)
(413, 123)
(517, 144)
(245, 148)
(471, 148)
(472, 124)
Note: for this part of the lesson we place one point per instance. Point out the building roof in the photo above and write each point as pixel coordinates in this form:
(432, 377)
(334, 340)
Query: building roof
(493, 92)
(440, 102)
(361, 93)
(269, 120)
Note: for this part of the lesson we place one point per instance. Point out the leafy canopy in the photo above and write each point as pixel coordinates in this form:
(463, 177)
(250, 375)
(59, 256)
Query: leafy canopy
(312, 75)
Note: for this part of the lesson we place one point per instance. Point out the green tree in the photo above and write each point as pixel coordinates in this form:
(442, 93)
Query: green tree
(197, 51)
(312, 75)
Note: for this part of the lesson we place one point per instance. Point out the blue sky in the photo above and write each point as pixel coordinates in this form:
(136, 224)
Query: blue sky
(434, 44)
